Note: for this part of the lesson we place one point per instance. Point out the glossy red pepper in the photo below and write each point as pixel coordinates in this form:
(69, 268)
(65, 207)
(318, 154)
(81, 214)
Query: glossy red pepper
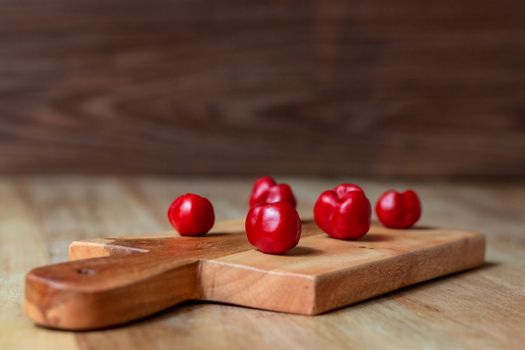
(273, 228)
(398, 210)
(343, 212)
(266, 190)
(191, 215)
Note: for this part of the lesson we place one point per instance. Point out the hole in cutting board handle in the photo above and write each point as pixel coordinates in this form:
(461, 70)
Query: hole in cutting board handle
(85, 271)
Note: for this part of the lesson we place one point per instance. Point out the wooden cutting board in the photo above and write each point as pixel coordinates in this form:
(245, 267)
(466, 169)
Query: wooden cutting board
(114, 280)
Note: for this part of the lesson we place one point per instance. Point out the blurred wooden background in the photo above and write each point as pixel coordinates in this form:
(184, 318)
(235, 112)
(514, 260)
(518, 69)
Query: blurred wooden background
(405, 88)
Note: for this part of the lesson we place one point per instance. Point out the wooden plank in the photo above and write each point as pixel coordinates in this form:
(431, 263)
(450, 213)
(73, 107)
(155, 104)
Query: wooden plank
(128, 278)
(354, 88)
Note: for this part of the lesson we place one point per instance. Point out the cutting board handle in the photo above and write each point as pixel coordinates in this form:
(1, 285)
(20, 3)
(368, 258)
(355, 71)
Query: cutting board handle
(97, 292)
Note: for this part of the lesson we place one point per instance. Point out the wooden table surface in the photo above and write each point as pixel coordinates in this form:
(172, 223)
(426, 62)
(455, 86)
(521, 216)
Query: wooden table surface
(482, 308)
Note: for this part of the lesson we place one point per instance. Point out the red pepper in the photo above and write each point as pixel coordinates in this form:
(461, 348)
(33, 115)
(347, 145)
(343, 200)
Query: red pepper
(273, 228)
(191, 215)
(343, 212)
(398, 210)
(266, 190)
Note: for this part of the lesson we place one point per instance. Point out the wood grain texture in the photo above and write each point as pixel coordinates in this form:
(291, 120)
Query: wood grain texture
(479, 309)
(222, 87)
(129, 278)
